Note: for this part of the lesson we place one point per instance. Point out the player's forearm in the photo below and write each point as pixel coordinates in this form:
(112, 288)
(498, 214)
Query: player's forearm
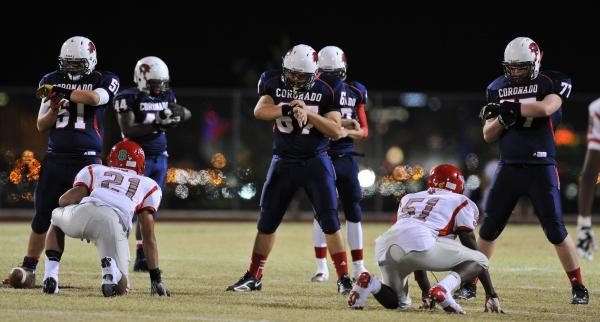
(486, 281)
(267, 112)
(492, 130)
(356, 134)
(325, 125)
(72, 196)
(90, 98)
(543, 108)
(422, 281)
(47, 121)
(149, 238)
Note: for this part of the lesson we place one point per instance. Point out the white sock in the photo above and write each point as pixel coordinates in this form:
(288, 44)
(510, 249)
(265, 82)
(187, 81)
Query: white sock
(318, 235)
(113, 270)
(375, 285)
(51, 268)
(322, 265)
(584, 221)
(450, 282)
(354, 234)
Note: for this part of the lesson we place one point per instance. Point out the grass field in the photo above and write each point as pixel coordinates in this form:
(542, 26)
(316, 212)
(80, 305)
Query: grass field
(200, 259)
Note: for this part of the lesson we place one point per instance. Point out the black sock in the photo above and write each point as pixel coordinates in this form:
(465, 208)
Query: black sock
(387, 297)
(53, 255)
(30, 262)
(155, 274)
(139, 252)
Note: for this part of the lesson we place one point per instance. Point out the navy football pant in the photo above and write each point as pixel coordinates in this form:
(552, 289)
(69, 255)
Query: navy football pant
(156, 168)
(538, 182)
(348, 188)
(56, 177)
(285, 177)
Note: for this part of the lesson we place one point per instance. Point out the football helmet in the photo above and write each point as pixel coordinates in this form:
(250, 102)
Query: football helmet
(446, 176)
(300, 67)
(127, 155)
(151, 75)
(522, 58)
(77, 57)
(332, 61)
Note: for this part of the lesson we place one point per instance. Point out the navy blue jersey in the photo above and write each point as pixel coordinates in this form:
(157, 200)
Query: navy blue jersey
(79, 128)
(145, 107)
(289, 140)
(348, 97)
(530, 140)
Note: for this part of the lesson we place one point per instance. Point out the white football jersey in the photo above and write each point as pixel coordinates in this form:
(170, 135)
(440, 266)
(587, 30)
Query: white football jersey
(122, 189)
(594, 125)
(426, 215)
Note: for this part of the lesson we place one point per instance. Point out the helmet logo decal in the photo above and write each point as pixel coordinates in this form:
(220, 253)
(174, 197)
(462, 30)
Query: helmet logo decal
(144, 69)
(315, 56)
(344, 57)
(91, 47)
(535, 50)
(122, 156)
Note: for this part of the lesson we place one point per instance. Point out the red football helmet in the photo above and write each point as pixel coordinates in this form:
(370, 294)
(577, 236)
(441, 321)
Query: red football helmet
(127, 155)
(446, 176)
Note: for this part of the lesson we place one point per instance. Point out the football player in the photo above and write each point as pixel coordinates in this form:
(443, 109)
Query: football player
(305, 118)
(351, 98)
(74, 98)
(100, 208)
(416, 243)
(524, 108)
(586, 239)
(144, 113)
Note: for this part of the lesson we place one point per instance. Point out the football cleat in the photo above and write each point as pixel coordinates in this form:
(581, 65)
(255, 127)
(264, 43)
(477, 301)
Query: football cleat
(360, 291)
(320, 277)
(580, 295)
(50, 286)
(344, 284)
(247, 283)
(585, 243)
(466, 292)
(440, 295)
(109, 286)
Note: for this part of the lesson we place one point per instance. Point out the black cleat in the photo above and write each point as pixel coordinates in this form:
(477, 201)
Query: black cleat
(466, 292)
(246, 284)
(50, 286)
(344, 284)
(580, 295)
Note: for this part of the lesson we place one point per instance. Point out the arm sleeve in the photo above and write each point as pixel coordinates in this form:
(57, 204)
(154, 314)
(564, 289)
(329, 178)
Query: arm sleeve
(466, 220)
(362, 119)
(151, 200)
(561, 85)
(85, 178)
(110, 83)
(123, 103)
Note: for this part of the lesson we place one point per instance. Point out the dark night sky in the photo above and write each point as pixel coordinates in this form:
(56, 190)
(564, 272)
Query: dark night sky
(420, 53)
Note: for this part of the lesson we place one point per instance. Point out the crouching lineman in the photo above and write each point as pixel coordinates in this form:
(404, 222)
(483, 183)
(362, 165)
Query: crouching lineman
(415, 243)
(99, 208)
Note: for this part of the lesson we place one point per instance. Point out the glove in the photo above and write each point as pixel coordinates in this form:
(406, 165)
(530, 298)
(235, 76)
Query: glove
(489, 110)
(164, 119)
(179, 112)
(46, 90)
(509, 113)
(427, 303)
(57, 100)
(492, 304)
(158, 288)
(586, 242)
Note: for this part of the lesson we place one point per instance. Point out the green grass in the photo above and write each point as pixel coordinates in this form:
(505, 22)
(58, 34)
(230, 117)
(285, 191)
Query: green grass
(200, 259)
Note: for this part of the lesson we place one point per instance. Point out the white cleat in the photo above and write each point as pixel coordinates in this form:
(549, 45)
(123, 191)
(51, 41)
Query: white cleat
(320, 277)
(360, 291)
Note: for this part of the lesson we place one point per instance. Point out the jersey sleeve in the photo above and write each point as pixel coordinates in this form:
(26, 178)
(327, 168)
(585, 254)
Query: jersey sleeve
(491, 96)
(110, 83)
(85, 178)
(329, 103)
(466, 219)
(151, 200)
(561, 84)
(362, 89)
(124, 102)
(265, 80)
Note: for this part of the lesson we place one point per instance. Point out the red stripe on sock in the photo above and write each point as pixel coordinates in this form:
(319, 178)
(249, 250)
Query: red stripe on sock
(575, 277)
(357, 254)
(257, 265)
(340, 261)
(321, 252)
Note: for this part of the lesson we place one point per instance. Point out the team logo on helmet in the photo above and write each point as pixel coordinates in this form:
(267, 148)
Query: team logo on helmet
(91, 47)
(122, 156)
(144, 69)
(315, 56)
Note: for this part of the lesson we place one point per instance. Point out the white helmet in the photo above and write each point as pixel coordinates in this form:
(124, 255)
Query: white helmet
(77, 57)
(151, 75)
(300, 67)
(522, 53)
(332, 60)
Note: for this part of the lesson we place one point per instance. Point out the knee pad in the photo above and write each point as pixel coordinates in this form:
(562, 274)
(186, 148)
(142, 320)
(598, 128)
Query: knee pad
(329, 222)
(266, 225)
(353, 212)
(490, 229)
(40, 224)
(555, 233)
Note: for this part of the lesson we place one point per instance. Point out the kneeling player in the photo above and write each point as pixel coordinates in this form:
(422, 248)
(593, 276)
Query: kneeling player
(415, 243)
(99, 208)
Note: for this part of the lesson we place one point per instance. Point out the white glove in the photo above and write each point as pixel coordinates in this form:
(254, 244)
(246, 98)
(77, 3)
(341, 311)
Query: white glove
(586, 242)
(492, 304)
